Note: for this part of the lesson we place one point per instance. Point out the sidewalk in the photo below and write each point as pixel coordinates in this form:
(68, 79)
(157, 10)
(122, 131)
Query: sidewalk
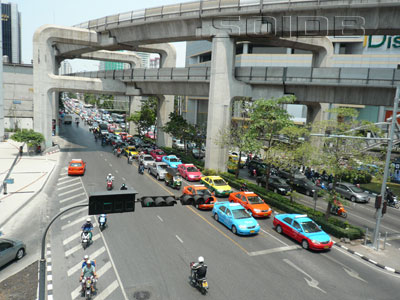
(30, 173)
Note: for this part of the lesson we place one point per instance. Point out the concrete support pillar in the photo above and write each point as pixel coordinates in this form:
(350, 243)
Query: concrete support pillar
(322, 58)
(223, 88)
(316, 112)
(245, 48)
(56, 109)
(165, 107)
(135, 105)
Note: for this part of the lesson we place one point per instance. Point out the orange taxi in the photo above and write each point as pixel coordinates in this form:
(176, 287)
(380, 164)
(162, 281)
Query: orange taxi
(76, 167)
(252, 202)
(201, 190)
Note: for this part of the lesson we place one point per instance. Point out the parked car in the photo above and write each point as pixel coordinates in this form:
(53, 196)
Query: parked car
(146, 160)
(178, 144)
(11, 249)
(305, 186)
(304, 230)
(158, 169)
(172, 161)
(189, 172)
(352, 192)
(258, 166)
(235, 217)
(198, 153)
(275, 184)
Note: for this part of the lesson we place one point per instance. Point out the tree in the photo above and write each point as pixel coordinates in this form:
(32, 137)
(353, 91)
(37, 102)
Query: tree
(342, 154)
(32, 138)
(267, 119)
(146, 116)
(178, 127)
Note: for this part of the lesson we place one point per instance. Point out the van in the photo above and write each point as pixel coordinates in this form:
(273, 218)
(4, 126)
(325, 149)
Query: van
(68, 119)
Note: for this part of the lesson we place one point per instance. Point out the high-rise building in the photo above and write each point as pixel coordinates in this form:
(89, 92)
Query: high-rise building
(154, 63)
(11, 22)
(65, 68)
(145, 57)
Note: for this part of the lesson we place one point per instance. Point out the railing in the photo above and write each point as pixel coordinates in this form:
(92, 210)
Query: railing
(379, 77)
(206, 7)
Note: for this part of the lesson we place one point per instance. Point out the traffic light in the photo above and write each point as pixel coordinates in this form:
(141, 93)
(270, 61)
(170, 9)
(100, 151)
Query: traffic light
(112, 202)
(193, 200)
(155, 201)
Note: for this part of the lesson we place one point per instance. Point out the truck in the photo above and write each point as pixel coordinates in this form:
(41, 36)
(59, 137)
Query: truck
(68, 119)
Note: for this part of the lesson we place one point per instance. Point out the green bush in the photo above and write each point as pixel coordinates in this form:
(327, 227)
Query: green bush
(355, 176)
(333, 226)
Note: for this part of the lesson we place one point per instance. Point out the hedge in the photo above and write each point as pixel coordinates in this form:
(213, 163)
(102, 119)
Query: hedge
(334, 226)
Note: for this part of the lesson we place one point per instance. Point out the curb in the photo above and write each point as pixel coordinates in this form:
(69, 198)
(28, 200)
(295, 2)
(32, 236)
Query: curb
(52, 150)
(368, 259)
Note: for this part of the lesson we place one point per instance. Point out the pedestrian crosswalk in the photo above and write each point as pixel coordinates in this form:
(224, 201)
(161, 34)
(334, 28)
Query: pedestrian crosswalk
(70, 192)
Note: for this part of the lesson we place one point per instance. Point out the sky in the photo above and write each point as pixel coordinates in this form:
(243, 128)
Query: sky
(35, 13)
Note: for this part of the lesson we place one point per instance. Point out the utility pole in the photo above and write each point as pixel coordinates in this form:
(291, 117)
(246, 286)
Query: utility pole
(386, 172)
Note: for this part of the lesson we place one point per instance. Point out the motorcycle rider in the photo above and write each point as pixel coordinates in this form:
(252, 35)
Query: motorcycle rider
(109, 177)
(123, 187)
(130, 158)
(336, 205)
(199, 269)
(141, 167)
(105, 218)
(88, 227)
(85, 260)
(389, 195)
(88, 271)
(243, 188)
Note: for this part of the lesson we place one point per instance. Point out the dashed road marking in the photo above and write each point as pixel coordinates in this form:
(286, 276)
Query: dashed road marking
(160, 218)
(110, 165)
(71, 191)
(123, 178)
(179, 239)
(73, 213)
(67, 187)
(70, 224)
(72, 197)
(274, 250)
(116, 171)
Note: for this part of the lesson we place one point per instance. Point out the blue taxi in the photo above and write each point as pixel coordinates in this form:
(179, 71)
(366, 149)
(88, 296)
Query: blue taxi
(235, 217)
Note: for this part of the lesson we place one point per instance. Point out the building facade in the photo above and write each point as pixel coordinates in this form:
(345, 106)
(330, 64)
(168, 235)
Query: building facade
(11, 32)
(354, 52)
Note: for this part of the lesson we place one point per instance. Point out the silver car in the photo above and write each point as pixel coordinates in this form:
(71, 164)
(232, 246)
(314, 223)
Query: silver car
(351, 192)
(146, 160)
(11, 249)
(158, 169)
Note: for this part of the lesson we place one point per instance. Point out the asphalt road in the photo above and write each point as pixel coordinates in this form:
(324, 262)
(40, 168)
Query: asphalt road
(146, 254)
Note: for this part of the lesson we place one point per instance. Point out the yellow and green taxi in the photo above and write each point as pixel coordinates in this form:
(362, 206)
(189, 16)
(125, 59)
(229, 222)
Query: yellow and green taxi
(217, 185)
(131, 150)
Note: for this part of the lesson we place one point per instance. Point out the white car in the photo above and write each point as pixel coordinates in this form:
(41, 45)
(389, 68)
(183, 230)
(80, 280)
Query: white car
(146, 160)
(178, 145)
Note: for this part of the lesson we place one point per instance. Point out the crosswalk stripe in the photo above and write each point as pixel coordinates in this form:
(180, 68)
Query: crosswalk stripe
(104, 269)
(77, 247)
(71, 205)
(72, 197)
(76, 293)
(74, 190)
(74, 236)
(79, 220)
(67, 187)
(64, 174)
(75, 212)
(63, 181)
(108, 290)
(92, 256)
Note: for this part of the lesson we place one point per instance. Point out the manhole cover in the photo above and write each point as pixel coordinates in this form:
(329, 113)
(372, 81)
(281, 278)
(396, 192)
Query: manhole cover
(141, 295)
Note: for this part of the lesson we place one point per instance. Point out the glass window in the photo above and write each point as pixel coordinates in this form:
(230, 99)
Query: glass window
(228, 212)
(5, 245)
(255, 200)
(222, 208)
(310, 226)
(296, 225)
(240, 214)
(76, 165)
(219, 182)
(288, 220)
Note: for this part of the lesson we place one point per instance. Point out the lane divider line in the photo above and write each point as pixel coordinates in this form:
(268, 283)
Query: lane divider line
(179, 239)
(160, 218)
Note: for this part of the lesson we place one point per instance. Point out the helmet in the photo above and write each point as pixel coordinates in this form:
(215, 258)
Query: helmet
(88, 262)
(123, 184)
(109, 174)
(102, 215)
(201, 259)
(86, 257)
(88, 220)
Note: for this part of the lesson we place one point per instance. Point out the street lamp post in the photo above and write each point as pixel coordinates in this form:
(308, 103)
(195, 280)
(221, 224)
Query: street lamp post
(385, 174)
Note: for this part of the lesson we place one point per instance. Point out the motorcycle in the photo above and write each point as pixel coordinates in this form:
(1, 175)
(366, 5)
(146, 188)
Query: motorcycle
(102, 223)
(110, 185)
(394, 203)
(130, 159)
(339, 211)
(201, 284)
(85, 239)
(244, 188)
(141, 169)
(88, 287)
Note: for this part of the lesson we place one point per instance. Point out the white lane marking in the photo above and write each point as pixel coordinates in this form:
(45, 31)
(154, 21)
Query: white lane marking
(71, 205)
(71, 191)
(67, 187)
(73, 237)
(66, 181)
(72, 197)
(104, 269)
(390, 269)
(107, 291)
(311, 282)
(70, 224)
(116, 171)
(348, 270)
(77, 247)
(123, 178)
(274, 237)
(110, 165)
(160, 218)
(73, 213)
(92, 256)
(63, 178)
(63, 174)
(111, 259)
(49, 268)
(273, 250)
(179, 239)
(49, 277)
(105, 159)
(101, 154)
